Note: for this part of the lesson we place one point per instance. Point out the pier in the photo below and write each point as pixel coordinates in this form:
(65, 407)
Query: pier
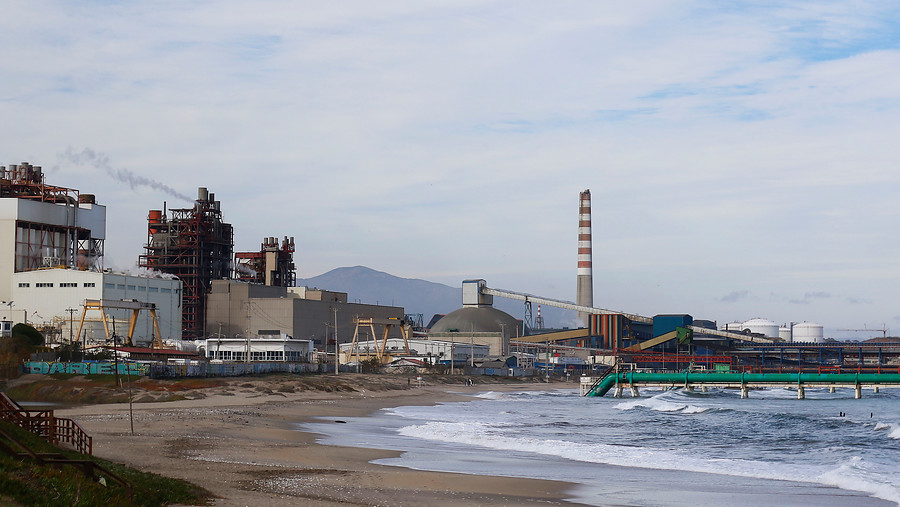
(619, 381)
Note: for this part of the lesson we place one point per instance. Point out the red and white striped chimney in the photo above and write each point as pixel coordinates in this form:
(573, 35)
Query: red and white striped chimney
(585, 294)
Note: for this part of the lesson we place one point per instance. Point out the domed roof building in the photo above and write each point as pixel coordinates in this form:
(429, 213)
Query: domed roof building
(478, 321)
(485, 319)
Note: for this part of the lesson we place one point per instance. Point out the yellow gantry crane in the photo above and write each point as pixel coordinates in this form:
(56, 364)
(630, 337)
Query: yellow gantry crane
(405, 332)
(123, 304)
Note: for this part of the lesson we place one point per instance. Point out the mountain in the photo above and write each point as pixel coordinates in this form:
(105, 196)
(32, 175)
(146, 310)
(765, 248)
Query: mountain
(366, 285)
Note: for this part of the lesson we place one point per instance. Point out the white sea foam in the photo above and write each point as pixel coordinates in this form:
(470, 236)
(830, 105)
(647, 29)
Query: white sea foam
(852, 475)
(490, 395)
(482, 435)
(659, 404)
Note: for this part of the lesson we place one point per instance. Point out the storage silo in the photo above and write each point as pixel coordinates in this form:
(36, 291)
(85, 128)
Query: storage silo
(807, 332)
(784, 333)
(735, 327)
(764, 327)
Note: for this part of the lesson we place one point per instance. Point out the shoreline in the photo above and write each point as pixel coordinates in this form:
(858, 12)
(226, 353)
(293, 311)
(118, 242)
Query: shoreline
(246, 448)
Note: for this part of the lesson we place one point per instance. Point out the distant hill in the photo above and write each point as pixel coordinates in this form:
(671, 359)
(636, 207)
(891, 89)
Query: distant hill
(366, 285)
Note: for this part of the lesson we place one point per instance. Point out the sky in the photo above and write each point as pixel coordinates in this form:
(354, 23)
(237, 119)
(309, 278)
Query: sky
(741, 155)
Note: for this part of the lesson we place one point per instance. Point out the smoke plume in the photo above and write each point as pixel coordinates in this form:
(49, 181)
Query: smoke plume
(101, 161)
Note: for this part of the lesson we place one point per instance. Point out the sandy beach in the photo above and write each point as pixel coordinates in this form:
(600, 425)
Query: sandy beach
(240, 441)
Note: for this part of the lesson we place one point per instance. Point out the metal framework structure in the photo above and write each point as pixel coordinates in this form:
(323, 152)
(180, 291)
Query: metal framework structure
(405, 329)
(195, 245)
(134, 306)
(272, 265)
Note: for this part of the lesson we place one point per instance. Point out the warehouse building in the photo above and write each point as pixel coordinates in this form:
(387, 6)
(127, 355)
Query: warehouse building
(240, 309)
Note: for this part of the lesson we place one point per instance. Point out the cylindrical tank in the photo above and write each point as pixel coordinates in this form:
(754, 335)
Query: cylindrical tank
(154, 218)
(202, 194)
(808, 332)
(784, 333)
(732, 326)
(764, 327)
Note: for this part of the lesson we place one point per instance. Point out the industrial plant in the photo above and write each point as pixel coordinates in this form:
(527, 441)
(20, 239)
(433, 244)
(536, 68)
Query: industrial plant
(195, 301)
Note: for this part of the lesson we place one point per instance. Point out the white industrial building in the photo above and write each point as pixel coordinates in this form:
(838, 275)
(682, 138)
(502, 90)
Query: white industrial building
(50, 294)
(432, 351)
(51, 261)
(263, 348)
(43, 226)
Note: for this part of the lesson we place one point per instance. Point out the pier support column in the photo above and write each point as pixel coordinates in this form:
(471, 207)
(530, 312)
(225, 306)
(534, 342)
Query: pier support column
(801, 393)
(704, 389)
(831, 389)
(634, 392)
(744, 392)
(858, 393)
(689, 389)
(618, 392)
(875, 389)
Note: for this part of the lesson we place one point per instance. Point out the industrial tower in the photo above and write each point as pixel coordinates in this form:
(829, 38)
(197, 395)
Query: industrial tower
(585, 289)
(195, 245)
(273, 265)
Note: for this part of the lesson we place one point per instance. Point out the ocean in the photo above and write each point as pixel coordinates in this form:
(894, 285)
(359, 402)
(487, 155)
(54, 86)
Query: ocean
(662, 448)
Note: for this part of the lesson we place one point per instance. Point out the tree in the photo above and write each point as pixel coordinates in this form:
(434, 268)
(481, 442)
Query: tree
(30, 335)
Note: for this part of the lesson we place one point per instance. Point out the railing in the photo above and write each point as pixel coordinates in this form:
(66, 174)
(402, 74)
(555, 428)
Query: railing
(14, 447)
(46, 425)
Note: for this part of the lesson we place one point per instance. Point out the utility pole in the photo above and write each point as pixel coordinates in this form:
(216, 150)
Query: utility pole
(337, 348)
(71, 312)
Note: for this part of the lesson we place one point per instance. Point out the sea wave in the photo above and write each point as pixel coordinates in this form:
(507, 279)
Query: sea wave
(661, 405)
(855, 474)
(851, 476)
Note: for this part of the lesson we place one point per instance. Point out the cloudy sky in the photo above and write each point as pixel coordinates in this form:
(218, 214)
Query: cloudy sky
(742, 156)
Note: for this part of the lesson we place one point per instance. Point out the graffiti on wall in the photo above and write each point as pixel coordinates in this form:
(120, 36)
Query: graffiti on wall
(104, 368)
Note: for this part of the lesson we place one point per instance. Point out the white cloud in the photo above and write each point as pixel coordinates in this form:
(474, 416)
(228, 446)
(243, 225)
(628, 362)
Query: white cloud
(738, 145)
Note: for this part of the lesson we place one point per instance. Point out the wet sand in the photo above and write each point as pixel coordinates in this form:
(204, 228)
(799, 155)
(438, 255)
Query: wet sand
(242, 444)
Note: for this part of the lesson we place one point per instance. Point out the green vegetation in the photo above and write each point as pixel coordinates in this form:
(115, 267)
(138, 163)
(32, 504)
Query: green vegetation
(31, 335)
(24, 482)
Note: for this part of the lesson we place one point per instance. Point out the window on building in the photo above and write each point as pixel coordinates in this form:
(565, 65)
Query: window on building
(142, 289)
(109, 285)
(257, 356)
(68, 284)
(24, 284)
(44, 284)
(153, 289)
(166, 291)
(132, 287)
(120, 286)
(89, 284)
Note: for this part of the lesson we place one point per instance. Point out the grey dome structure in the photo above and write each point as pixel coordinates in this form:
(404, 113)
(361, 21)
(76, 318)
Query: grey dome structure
(484, 319)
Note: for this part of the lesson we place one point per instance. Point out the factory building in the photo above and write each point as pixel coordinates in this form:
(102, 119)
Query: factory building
(195, 245)
(240, 309)
(51, 261)
(430, 351)
(45, 226)
(55, 297)
(263, 348)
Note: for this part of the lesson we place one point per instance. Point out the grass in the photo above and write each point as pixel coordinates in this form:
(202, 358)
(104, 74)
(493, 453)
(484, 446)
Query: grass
(24, 482)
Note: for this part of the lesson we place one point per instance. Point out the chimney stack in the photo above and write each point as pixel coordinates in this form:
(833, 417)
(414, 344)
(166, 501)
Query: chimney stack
(585, 294)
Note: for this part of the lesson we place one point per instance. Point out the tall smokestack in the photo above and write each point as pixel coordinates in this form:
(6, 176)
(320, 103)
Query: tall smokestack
(585, 295)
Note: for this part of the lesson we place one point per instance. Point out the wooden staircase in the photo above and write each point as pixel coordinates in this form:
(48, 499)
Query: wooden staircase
(54, 429)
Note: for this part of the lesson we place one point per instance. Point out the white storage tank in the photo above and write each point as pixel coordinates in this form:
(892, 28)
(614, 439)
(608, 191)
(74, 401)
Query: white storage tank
(735, 326)
(807, 332)
(764, 327)
(784, 333)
